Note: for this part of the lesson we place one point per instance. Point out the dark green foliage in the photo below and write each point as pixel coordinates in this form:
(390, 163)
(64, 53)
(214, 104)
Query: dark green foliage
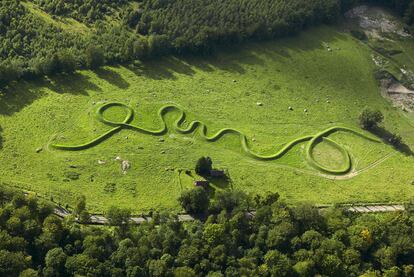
(203, 24)
(80, 210)
(31, 46)
(67, 62)
(55, 262)
(10, 71)
(369, 119)
(87, 11)
(119, 217)
(278, 241)
(94, 57)
(48, 65)
(228, 201)
(194, 201)
(204, 166)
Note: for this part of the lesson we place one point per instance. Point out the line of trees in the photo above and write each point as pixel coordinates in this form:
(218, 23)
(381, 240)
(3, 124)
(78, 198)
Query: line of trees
(278, 241)
(121, 31)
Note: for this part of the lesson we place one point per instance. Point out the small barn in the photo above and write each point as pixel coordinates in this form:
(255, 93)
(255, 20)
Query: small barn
(203, 184)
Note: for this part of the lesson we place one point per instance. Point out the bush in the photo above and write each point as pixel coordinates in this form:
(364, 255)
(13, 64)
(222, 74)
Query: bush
(369, 119)
(49, 65)
(204, 166)
(94, 57)
(195, 200)
(10, 72)
(67, 62)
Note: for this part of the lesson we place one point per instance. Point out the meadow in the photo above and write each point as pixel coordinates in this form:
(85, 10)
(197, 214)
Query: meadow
(249, 88)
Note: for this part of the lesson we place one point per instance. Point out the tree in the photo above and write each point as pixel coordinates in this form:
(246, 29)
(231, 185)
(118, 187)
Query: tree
(82, 265)
(10, 72)
(67, 62)
(308, 217)
(94, 57)
(120, 218)
(29, 273)
(11, 264)
(55, 262)
(213, 233)
(195, 200)
(184, 271)
(48, 65)
(304, 268)
(369, 119)
(278, 263)
(229, 200)
(157, 268)
(140, 48)
(204, 166)
(80, 210)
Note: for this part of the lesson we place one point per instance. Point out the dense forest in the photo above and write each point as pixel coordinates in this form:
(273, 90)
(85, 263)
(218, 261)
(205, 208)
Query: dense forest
(278, 241)
(123, 31)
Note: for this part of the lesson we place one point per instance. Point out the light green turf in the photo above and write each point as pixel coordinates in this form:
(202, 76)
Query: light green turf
(182, 127)
(223, 92)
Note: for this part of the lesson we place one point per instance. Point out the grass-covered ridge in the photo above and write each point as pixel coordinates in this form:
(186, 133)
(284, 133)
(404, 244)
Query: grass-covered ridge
(223, 90)
(185, 128)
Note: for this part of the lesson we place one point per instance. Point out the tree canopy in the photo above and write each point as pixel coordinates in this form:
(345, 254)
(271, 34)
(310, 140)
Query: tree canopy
(280, 240)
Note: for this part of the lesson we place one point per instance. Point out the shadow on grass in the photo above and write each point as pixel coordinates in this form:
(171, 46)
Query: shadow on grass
(16, 97)
(161, 68)
(218, 184)
(23, 93)
(1, 138)
(233, 58)
(76, 84)
(112, 77)
(385, 135)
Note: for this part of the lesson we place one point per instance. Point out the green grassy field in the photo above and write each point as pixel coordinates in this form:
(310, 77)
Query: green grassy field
(223, 92)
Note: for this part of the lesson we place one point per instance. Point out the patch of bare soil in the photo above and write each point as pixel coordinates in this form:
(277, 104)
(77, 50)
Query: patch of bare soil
(376, 21)
(399, 95)
(381, 25)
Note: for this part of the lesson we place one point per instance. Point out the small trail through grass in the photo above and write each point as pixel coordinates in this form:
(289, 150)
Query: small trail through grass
(194, 126)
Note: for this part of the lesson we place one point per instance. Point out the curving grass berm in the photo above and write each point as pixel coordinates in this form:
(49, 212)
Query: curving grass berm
(313, 140)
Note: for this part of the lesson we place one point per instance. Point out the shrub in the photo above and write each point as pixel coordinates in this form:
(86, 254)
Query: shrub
(10, 72)
(67, 62)
(204, 166)
(195, 200)
(369, 119)
(94, 57)
(48, 66)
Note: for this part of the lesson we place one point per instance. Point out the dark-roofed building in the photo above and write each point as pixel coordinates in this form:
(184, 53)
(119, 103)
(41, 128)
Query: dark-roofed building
(203, 184)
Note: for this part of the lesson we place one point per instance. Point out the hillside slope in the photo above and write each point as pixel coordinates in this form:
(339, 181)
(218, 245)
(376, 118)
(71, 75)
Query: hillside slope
(333, 86)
